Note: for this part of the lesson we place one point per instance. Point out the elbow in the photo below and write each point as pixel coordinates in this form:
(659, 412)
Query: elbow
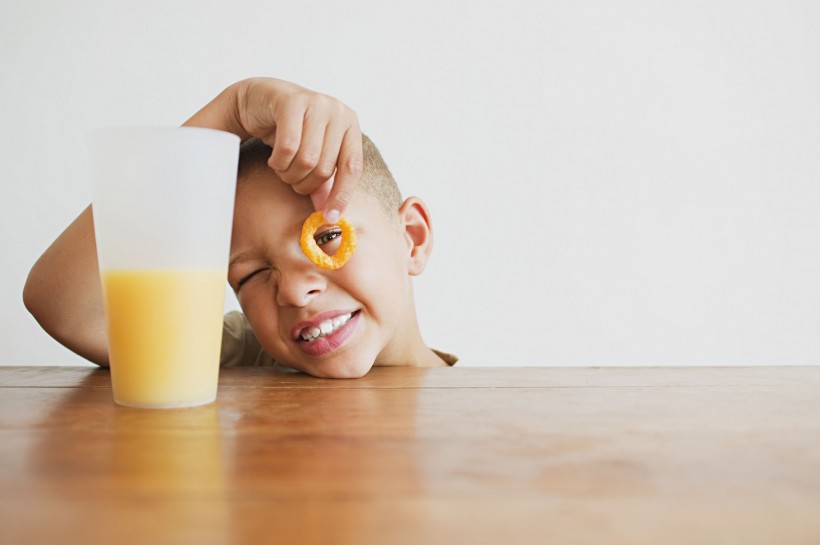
(36, 300)
(32, 294)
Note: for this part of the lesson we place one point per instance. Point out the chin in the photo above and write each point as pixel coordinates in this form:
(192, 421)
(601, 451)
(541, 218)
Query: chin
(344, 371)
(338, 368)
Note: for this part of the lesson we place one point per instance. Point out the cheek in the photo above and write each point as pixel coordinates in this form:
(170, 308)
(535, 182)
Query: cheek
(377, 270)
(261, 314)
(248, 301)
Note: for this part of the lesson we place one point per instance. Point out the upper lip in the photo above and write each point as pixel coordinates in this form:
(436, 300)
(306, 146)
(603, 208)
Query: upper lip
(314, 321)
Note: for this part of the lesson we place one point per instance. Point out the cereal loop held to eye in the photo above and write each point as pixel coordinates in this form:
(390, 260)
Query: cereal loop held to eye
(315, 253)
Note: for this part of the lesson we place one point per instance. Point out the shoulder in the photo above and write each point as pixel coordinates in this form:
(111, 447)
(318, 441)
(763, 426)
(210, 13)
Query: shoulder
(240, 346)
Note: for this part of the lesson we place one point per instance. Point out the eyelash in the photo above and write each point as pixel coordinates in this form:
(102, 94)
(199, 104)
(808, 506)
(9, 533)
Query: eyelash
(246, 278)
(328, 235)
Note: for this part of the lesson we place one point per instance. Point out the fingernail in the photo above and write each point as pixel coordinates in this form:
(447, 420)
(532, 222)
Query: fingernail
(332, 216)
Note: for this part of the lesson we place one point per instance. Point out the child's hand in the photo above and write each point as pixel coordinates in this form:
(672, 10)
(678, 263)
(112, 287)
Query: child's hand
(312, 135)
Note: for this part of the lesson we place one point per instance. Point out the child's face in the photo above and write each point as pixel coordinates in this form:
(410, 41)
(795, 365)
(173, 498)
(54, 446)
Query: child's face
(284, 294)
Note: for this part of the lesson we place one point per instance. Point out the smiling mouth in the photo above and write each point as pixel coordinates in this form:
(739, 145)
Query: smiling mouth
(326, 328)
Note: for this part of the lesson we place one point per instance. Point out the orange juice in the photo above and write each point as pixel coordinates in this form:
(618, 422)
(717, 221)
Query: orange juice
(164, 335)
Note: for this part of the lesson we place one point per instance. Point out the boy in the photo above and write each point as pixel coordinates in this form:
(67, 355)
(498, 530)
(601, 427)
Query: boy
(328, 323)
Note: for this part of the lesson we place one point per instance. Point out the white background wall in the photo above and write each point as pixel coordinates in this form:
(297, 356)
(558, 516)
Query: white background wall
(612, 182)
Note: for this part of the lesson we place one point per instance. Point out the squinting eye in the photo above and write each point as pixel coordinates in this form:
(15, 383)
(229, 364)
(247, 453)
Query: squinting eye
(246, 278)
(327, 236)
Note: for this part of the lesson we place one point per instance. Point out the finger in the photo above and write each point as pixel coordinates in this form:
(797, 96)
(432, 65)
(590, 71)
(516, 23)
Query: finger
(314, 125)
(306, 186)
(326, 166)
(288, 137)
(348, 172)
(319, 195)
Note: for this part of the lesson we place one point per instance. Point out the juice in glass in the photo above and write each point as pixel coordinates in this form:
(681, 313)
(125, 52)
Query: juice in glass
(164, 334)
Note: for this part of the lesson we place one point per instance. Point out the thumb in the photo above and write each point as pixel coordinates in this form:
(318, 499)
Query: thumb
(320, 194)
(348, 172)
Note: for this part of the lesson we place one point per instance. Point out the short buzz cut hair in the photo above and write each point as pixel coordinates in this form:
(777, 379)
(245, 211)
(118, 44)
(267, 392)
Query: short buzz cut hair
(376, 180)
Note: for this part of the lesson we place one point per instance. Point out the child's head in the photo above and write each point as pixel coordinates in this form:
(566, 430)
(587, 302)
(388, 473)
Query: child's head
(363, 312)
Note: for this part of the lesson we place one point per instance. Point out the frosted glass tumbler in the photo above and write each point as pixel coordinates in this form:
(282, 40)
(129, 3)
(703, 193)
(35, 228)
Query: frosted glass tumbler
(163, 209)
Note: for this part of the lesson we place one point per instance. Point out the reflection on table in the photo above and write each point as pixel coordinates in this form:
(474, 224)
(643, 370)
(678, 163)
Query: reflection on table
(461, 455)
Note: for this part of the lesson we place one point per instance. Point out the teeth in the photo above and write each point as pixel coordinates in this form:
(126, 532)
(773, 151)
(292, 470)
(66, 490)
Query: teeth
(327, 327)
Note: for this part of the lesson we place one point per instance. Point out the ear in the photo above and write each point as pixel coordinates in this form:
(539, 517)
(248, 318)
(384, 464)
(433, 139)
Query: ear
(414, 221)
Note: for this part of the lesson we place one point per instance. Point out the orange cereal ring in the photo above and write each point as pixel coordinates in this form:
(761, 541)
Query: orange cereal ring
(315, 253)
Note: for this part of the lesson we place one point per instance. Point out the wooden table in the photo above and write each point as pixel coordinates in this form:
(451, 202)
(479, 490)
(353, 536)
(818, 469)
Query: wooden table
(462, 455)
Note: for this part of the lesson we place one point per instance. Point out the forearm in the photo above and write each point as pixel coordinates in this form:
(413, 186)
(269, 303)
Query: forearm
(63, 291)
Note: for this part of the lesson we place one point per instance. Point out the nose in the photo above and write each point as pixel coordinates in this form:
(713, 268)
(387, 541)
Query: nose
(296, 287)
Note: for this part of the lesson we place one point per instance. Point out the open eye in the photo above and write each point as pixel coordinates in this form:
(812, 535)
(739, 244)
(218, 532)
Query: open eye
(329, 240)
(326, 236)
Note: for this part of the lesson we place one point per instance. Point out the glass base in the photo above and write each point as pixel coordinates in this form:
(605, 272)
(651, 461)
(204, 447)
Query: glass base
(177, 405)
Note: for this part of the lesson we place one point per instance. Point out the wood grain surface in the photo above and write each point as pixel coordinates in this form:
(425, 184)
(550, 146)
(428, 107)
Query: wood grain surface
(418, 456)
